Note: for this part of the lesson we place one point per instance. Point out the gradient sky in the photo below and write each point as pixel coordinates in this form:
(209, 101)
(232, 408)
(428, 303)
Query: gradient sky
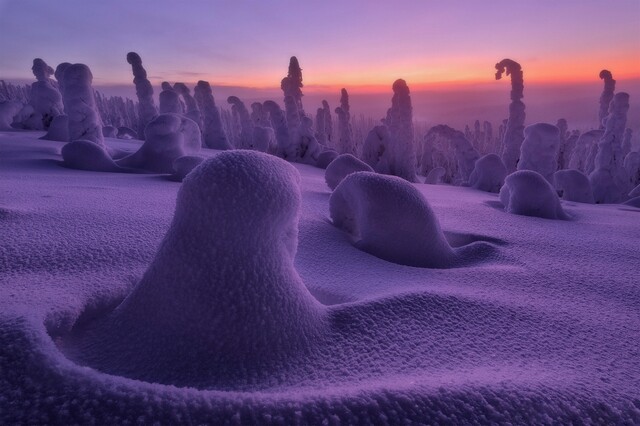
(352, 43)
(363, 45)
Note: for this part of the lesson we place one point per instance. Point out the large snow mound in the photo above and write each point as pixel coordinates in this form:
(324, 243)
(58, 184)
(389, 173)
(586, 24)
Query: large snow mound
(388, 217)
(221, 298)
(528, 193)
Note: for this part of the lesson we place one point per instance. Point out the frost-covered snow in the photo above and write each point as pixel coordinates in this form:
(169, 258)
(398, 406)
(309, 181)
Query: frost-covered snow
(544, 331)
(488, 173)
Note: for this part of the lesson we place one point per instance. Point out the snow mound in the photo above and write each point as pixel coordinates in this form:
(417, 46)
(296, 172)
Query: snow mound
(87, 155)
(221, 298)
(386, 216)
(528, 193)
(574, 186)
(167, 138)
(325, 158)
(341, 167)
(80, 105)
(109, 131)
(488, 174)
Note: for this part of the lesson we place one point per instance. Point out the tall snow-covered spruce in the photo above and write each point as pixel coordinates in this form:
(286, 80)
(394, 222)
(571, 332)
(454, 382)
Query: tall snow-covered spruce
(346, 144)
(514, 132)
(80, 105)
(606, 97)
(146, 105)
(212, 132)
(609, 179)
(400, 123)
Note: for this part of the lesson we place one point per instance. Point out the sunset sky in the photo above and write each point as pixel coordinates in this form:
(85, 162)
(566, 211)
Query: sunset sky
(363, 45)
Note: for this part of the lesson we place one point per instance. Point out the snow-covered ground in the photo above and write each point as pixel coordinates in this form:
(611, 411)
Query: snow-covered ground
(546, 329)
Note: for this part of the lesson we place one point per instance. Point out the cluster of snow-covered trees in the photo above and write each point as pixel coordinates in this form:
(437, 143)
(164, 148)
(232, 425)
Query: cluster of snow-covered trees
(601, 160)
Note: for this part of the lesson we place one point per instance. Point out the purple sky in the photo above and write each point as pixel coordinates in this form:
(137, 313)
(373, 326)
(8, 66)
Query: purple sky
(362, 45)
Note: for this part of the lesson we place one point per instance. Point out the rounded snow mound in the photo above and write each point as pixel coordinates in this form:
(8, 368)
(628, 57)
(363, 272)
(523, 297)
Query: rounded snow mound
(342, 166)
(574, 186)
(325, 158)
(87, 155)
(184, 165)
(488, 174)
(221, 301)
(167, 137)
(527, 193)
(386, 216)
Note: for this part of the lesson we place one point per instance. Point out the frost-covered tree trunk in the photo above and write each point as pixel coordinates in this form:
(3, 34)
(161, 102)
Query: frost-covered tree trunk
(213, 135)
(514, 131)
(242, 117)
(609, 180)
(146, 106)
(191, 106)
(606, 97)
(80, 105)
(345, 132)
(400, 123)
(539, 150)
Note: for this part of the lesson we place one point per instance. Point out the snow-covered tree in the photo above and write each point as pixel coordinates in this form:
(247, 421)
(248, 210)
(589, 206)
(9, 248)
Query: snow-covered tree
(539, 150)
(243, 120)
(146, 105)
(191, 106)
(514, 131)
(80, 106)
(606, 96)
(609, 180)
(212, 132)
(346, 144)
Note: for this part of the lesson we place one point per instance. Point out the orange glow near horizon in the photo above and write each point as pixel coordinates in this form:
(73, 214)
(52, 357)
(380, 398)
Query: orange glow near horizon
(423, 75)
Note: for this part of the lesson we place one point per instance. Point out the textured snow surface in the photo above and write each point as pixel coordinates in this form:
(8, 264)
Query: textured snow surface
(546, 331)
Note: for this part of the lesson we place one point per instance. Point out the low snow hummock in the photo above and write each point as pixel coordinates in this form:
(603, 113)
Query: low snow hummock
(253, 294)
